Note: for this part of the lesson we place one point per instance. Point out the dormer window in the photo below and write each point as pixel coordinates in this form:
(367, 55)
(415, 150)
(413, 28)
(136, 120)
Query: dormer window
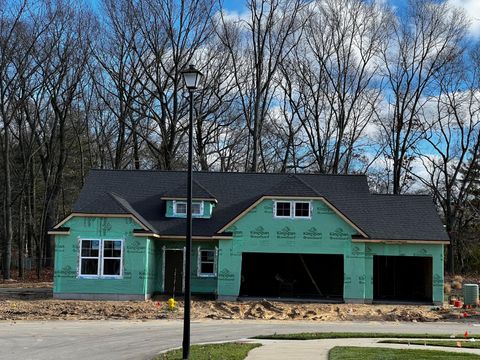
(180, 208)
(283, 209)
(302, 209)
(292, 209)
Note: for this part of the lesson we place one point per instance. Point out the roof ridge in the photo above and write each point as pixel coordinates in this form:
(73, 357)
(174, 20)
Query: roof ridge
(96, 200)
(204, 188)
(230, 172)
(181, 189)
(307, 185)
(128, 207)
(280, 185)
(400, 195)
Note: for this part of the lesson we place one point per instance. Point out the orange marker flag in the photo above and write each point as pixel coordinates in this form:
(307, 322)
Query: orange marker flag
(466, 334)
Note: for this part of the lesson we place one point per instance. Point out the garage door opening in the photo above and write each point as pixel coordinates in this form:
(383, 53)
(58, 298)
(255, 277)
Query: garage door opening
(402, 278)
(292, 276)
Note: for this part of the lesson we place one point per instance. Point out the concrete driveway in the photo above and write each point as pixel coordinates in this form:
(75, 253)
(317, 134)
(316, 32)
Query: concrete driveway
(91, 340)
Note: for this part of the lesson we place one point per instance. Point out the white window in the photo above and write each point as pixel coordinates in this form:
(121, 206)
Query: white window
(112, 258)
(292, 209)
(283, 209)
(302, 209)
(89, 257)
(101, 258)
(207, 262)
(180, 208)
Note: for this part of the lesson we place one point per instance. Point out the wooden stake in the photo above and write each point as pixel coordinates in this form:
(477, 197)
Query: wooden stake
(310, 274)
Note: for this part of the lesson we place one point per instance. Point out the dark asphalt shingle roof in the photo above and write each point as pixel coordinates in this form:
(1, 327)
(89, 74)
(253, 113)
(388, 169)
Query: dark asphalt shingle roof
(137, 192)
(198, 191)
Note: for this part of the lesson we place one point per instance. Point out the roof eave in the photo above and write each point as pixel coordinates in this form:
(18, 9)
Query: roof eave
(59, 231)
(183, 198)
(401, 241)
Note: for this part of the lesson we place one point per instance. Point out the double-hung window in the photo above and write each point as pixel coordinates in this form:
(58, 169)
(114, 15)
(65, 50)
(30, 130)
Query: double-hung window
(101, 258)
(112, 258)
(180, 208)
(292, 209)
(89, 257)
(207, 262)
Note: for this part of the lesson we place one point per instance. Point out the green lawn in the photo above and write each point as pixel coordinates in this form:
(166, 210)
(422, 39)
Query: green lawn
(345, 335)
(230, 351)
(365, 353)
(447, 343)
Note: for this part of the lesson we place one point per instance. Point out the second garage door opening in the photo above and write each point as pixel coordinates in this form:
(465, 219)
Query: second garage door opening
(402, 278)
(292, 276)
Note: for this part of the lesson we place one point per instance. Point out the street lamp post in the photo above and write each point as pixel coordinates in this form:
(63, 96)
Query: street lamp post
(191, 77)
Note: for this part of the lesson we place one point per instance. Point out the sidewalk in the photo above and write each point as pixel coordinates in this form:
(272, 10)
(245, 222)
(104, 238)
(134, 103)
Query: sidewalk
(318, 349)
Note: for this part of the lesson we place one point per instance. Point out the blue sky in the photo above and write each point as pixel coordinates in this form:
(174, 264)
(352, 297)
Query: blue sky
(239, 5)
(471, 8)
(235, 5)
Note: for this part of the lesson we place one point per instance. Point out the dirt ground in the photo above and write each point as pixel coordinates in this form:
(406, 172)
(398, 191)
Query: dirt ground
(50, 309)
(34, 302)
(30, 280)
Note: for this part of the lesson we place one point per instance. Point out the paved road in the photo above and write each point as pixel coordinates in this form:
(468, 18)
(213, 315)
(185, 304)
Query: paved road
(92, 340)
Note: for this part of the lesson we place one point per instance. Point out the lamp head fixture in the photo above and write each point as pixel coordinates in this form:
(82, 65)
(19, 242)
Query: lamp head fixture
(192, 77)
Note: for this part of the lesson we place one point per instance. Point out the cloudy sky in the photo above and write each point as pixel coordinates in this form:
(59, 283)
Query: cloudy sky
(471, 7)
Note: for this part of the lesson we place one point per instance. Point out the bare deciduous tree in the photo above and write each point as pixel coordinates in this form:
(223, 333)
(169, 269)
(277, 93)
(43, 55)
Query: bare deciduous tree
(423, 42)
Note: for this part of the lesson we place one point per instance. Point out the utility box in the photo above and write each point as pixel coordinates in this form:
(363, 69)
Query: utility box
(470, 294)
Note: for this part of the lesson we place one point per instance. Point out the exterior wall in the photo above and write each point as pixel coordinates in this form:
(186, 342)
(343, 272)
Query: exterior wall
(150, 266)
(362, 254)
(142, 262)
(324, 233)
(259, 231)
(137, 270)
(200, 285)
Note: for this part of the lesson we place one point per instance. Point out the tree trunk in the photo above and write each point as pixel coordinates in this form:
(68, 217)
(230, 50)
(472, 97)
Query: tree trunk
(7, 251)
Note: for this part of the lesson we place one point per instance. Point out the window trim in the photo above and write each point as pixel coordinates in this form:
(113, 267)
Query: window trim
(88, 276)
(292, 209)
(175, 202)
(120, 276)
(100, 258)
(282, 216)
(199, 262)
(302, 202)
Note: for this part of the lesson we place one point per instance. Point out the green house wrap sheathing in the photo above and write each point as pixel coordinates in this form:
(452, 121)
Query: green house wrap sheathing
(258, 231)
(326, 233)
(138, 267)
(142, 262)
(200, 285)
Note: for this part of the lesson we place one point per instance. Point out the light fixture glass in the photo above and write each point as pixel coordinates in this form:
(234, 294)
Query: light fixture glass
(192, 77)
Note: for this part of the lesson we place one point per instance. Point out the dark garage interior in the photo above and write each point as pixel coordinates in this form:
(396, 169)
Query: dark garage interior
(309, 276)
(402, 278)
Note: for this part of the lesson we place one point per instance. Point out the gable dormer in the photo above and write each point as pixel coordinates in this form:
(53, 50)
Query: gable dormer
(201, 208)
(203, 202)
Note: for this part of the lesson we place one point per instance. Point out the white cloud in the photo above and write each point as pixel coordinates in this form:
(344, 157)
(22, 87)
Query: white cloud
(472, 10)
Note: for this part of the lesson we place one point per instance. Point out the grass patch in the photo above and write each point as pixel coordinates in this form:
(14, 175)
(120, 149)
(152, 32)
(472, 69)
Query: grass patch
(447, 343)
(366, 353)
(346, 335)
(231, 351)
